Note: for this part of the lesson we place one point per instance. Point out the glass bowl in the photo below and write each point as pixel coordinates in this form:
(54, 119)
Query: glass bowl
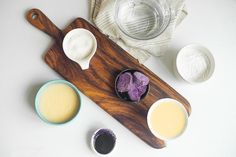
(142, 19)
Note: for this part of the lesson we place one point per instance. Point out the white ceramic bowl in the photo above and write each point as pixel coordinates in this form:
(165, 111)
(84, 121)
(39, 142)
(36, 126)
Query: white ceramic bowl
(156, 104)
(99, 132)
(83, 40)
(195, 63)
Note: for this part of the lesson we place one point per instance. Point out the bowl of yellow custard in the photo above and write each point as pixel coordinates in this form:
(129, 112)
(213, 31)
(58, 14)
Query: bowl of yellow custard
(57, 102)
(167, 119)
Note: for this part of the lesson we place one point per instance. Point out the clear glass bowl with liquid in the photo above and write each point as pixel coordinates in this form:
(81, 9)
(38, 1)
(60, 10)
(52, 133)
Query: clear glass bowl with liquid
(142, 19)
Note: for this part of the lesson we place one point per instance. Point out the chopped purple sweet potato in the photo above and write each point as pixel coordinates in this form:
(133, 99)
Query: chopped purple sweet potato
(124, 82)
(135, 84)
(134, 93)
(142, 90)
(140, 79)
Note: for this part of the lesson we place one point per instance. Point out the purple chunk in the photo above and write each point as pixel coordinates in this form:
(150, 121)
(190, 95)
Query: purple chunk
(134, 93)
(142, 90)
(140, 79)
(124, 82)
(134, 84)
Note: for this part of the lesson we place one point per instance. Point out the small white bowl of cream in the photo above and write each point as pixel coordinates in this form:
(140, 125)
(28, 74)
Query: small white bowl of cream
(80, 45)
(195, 63)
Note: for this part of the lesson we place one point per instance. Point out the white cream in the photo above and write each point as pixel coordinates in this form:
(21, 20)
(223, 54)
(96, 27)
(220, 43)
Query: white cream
(80, 45)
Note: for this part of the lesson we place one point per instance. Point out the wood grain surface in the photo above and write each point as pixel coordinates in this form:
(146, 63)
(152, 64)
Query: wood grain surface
(98, 81)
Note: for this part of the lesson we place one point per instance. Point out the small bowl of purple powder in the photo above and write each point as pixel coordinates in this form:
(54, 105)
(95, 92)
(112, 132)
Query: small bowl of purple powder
(131, 85)
(103, 141)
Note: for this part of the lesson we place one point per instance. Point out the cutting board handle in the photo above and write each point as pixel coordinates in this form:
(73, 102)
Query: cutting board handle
(37, 18)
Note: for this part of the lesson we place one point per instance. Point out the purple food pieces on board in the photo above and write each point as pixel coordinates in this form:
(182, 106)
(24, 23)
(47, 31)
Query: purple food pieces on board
(124, 82)
(135, 84)
(142, 90)
(140, 79)
(134, 93)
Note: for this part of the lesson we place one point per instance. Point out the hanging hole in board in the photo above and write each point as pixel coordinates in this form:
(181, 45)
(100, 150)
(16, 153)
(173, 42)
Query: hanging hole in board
(34, 16)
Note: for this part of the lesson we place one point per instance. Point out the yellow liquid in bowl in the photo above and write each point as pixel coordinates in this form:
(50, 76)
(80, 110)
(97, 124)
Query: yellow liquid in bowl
(167, 120)
(58, 103)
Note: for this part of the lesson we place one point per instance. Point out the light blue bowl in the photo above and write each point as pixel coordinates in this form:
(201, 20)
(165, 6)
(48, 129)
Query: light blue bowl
(39, 93)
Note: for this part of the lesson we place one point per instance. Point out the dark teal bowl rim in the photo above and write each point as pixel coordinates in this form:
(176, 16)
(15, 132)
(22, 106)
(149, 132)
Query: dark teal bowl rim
(43, 87)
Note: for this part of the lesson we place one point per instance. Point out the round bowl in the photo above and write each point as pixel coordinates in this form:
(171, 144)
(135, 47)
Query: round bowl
(39, 93)
(195, 63)
(124, 95)
(100, 132)
(142, 19)
(158, 102)
(88, 44)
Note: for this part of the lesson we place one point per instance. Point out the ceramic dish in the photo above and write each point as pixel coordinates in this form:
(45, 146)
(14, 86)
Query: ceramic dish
(183, 113)
(195, 63)
(107, 145)
(124, 95)
(80, 46)
(43, 88)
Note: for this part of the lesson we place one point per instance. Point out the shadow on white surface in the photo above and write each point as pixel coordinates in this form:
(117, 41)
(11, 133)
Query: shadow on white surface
(89, 135)
(31, 93)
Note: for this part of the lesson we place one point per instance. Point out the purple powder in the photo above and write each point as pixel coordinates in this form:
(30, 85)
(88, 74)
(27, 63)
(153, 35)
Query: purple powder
(105, 141)
(124, 82)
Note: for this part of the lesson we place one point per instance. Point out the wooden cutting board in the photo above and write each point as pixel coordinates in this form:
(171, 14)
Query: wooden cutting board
(98, 81)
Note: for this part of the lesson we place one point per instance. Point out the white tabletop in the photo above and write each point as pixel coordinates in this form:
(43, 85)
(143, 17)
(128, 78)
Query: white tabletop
(212, 125)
